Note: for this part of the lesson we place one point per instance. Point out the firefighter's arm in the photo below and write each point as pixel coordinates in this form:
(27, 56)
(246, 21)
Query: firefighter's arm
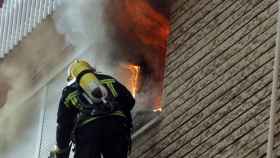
(65, 123)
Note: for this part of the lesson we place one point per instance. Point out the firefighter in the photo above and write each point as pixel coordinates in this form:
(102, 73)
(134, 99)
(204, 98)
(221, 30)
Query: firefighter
(94, 113)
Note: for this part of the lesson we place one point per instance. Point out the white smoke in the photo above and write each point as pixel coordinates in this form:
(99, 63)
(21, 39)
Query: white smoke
(83, 24)
(23, 74)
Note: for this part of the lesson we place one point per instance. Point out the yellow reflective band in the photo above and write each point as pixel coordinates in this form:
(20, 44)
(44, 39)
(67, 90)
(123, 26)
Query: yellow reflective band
(114, 92)
(89, 120)
(66, 104)
(72, 98)
(74, 101)
(118, 113)
(109, 83)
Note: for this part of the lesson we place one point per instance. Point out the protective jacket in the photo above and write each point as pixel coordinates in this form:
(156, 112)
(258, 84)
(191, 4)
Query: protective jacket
(75, 110)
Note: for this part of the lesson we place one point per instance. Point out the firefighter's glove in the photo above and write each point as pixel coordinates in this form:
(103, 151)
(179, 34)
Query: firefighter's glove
(59, 153)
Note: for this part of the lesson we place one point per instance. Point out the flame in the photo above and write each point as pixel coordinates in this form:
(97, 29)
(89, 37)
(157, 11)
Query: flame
(142, 31)
(157, 110)
(139, 23)
(145, 17)
(139, 19)
(135, 70)
(157, 105)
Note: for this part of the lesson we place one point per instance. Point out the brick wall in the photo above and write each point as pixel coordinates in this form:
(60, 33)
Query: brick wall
(217, 85)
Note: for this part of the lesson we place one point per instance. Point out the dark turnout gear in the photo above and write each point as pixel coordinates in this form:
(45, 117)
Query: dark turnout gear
(108, 136)
(100, 127)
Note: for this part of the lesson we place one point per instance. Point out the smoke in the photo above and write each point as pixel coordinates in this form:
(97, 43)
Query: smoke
(82, 23)
(23, 72)
(113, 32)
(4, 89)
(19, 128)
(105, 32)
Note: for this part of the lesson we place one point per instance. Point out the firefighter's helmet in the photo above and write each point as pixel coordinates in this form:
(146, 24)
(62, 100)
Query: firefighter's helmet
(88, 81)
(76, 67)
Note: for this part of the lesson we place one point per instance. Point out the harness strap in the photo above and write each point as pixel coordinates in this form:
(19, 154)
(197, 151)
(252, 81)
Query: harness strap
(116, 113)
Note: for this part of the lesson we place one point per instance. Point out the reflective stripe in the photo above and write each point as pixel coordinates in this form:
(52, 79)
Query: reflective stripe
(116, 113)
(89, 120)
(72, 98)
(110, 85)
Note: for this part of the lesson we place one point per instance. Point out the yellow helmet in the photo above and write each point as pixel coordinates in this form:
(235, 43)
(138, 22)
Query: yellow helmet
(76, 67)
(88, 81)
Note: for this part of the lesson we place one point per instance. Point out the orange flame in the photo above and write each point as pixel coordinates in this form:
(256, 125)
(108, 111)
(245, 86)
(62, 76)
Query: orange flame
(135, 70)
(137, 18)
(157, 110)
(146, 20)
(157, 105)
(142, 31)
(145, 31)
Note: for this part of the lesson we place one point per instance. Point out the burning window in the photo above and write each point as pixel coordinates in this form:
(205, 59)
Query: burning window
(134, 35)
(141, 29)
